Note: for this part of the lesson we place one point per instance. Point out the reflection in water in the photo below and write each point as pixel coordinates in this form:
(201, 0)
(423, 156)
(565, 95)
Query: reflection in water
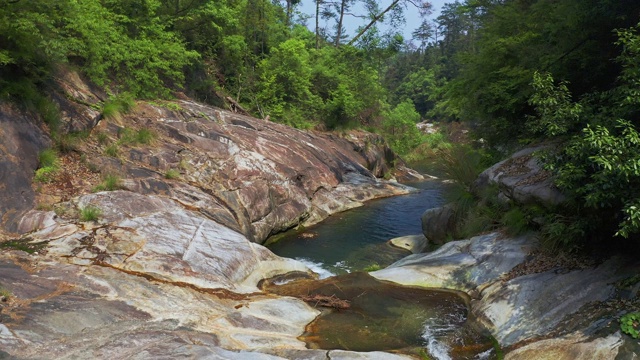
(356, 239)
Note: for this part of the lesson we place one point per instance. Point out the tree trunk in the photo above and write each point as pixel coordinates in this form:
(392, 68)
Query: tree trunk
(318, 2)
(339, 32)
(289, 7)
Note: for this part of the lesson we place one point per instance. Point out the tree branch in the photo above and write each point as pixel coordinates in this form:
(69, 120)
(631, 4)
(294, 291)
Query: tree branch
(373, 21)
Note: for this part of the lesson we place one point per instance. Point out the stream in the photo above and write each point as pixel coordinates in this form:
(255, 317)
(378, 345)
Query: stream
(357, 239)
(380, 316)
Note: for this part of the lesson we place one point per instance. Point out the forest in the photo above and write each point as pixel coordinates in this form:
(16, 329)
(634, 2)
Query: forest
(516, 72)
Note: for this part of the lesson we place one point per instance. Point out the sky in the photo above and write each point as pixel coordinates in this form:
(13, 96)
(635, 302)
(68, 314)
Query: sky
(411, 15)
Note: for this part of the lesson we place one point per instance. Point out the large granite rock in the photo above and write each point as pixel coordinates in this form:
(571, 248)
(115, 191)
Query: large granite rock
(253, 176)
(461, 265)
(21, 139)
(170, 268)
(522, 311)
(150, 279)
(438, 224)
(521, 178)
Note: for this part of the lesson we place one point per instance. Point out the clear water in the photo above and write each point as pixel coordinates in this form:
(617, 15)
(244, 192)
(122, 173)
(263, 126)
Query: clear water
(357, 239)
(382, 316)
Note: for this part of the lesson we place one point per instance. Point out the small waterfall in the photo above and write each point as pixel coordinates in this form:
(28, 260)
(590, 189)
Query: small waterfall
(438, 350)
(316, 267)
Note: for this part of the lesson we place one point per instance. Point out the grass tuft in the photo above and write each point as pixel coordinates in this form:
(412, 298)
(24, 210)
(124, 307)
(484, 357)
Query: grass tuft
(172, 174)
(112, 150)
(90, 213)
(110, 182)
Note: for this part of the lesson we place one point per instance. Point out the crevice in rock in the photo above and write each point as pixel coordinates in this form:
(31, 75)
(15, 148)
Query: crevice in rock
(220, 293)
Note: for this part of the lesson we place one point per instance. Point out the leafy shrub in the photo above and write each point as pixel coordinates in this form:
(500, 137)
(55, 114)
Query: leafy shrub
(102, 138)
(46, 174)
(131, 137)
(630, 324)
(5, 294)
(515, 221)
(145, 136)
(399, 128)
(463, 164)
(90, 213)
(71, 141)
(118, 105)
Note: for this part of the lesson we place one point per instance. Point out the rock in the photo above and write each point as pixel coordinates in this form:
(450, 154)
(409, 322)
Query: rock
(153, 235)
(532, 305)
(36, 220)
(522, 179)
(414, 243)
(374, 355)
(573, 347)
(438, 224)
(461, 265)
(522, 310)
(101, 312)
(21, 140)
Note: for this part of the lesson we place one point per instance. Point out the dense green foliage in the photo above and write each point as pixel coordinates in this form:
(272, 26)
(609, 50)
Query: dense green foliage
(630, 324)
(567, 71)
(251, 51)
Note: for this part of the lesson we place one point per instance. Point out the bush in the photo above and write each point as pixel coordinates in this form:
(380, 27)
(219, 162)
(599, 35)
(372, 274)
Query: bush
(48, 158)
(630, 324)
(463, 164)
(372, 267)
(49, 166)
(145, 136)
(400, 130)
(118, 105)
(131, 137)
(46, 174)
(71, 141)
(90, 213)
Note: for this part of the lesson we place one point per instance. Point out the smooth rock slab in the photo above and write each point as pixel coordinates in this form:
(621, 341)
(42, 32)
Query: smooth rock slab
(155, 236)
(461, 265)
(414, 243)
(532, 305)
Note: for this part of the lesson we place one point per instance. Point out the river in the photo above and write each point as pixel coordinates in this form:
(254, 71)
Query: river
(357, 239)
(420, 322)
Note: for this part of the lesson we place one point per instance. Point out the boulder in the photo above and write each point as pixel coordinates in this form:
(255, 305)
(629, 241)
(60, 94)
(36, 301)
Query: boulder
(438, 224)
(21, 140)
(548, 313)
(414, 243)
(461, 265)
(572, 347)
(521, 178)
